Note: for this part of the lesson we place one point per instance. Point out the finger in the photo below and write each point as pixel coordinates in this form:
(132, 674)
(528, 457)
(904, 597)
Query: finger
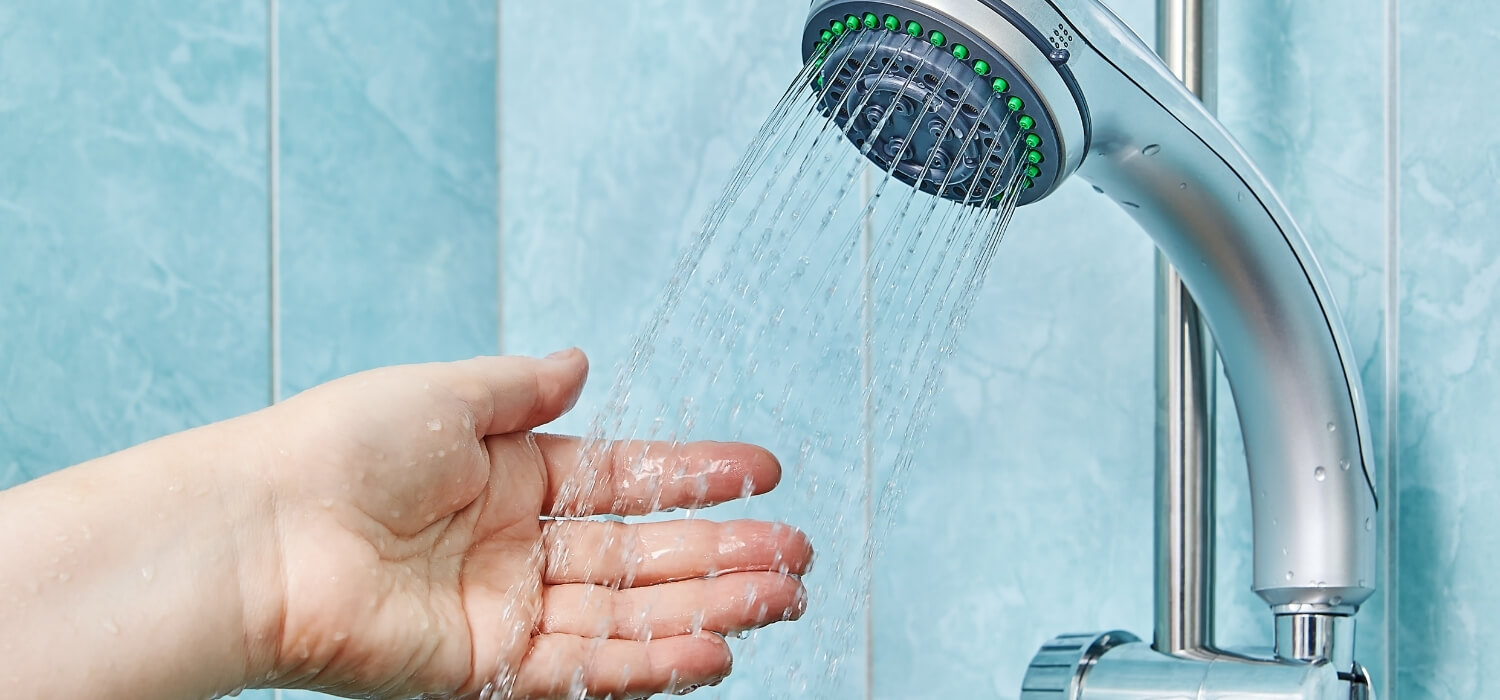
(616, 554)
(510, 394)
(621, 668)
(726, 604)
(638, 477)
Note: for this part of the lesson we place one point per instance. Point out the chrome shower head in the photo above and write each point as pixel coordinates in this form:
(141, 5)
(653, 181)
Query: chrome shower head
(1062, 86)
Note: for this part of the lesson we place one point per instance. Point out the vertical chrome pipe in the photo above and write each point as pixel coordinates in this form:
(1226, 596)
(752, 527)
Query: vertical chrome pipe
(1186, 378)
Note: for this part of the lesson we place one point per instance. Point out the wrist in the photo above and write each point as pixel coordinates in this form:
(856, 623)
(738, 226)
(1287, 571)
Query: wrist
(247, 512)
(150, 572)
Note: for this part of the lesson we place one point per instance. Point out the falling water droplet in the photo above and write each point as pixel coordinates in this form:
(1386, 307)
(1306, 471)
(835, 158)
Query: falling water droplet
(1344, 464)
(1151, 150)
(1332, 427)
(1369, 524)
(1289, 575)
(148, 573)
(435, 425)
(1320, 473)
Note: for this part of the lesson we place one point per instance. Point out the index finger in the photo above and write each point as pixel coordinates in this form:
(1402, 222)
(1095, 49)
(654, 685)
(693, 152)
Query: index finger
(638, 477)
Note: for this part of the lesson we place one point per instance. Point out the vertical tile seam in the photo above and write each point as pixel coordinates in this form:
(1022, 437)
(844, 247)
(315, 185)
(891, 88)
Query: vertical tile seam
(499, 179)
(867, 422)
(273, 196)
(1392, 396)
(273, 206)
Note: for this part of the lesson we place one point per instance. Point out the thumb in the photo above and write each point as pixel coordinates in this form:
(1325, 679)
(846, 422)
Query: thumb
(510, 394)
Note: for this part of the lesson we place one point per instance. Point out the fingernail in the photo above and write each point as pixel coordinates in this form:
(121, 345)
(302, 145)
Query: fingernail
(563, 354)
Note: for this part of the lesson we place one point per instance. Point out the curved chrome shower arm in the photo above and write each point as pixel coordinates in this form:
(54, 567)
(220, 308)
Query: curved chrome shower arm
(1159, 153)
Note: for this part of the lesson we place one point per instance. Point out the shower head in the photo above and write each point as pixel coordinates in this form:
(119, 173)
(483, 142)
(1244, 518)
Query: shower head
(954, 96)
(940, 106)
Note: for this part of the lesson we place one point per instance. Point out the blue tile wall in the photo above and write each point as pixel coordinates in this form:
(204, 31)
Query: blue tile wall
(133, 291)
(616, 141)
(1450, 341)
(388, 198)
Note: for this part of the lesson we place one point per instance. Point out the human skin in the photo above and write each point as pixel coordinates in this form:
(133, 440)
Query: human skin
(396, 533)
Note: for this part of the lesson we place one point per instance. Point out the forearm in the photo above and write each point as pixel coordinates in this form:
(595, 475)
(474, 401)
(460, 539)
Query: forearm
(127, 575)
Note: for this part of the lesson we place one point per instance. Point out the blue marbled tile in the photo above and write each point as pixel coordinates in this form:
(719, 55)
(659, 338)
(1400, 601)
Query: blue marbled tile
(1302, 88)
(1449, 539)
(616, 141)
(388, 197)
(134, 272)
(1028, 513)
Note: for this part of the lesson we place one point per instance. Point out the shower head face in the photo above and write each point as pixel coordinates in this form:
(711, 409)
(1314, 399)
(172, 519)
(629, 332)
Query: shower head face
(933, 104)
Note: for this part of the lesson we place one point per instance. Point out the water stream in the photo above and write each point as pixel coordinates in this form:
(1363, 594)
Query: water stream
(812, 314)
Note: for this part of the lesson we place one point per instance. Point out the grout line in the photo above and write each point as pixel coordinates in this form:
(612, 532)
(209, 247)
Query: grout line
(273, 190)
(499, 181)
(867, 421)
(1392, 482)
(273, 187)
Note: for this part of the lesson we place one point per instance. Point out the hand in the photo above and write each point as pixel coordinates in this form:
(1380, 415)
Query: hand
(418, 554)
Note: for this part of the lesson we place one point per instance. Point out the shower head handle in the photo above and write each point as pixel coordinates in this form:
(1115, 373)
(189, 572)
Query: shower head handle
(1169, 163)
(1123, 122)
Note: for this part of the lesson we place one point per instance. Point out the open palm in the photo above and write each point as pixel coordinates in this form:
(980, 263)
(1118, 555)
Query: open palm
(430, 543)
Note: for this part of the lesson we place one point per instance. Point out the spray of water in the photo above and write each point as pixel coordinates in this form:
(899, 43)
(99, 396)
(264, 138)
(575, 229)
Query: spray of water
(815, 322)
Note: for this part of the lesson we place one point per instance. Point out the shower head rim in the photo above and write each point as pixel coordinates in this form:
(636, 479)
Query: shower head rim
(1009, 49)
